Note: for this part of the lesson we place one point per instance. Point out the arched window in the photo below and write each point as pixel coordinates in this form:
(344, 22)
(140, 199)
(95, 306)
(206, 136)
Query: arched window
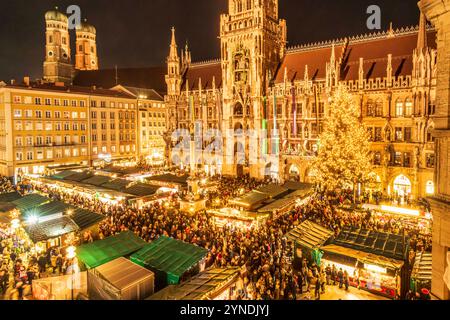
(408, 107)
(429, 189)
(238, 110)
(370, 108)
(399, 108)
(239, 6)
(249, 4)
(379, 108)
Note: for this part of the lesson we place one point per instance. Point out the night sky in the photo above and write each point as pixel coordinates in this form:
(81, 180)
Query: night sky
(136, 33)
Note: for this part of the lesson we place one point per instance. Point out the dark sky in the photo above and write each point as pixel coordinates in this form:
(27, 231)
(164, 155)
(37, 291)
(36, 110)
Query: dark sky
(136, 33)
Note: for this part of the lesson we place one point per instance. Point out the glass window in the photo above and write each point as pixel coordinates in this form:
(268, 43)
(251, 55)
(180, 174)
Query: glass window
(399, 108)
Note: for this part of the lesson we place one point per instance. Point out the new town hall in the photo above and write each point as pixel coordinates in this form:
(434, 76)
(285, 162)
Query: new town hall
(259, 84)
(82, 115)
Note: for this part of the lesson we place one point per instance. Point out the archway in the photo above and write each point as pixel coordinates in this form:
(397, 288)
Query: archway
(402, 186)
(294, 173)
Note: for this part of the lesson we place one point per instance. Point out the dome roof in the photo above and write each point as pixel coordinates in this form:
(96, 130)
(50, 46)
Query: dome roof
(56, 16)
(86, 27)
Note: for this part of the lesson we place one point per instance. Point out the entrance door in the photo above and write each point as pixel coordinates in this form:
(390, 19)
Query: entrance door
(402, 186)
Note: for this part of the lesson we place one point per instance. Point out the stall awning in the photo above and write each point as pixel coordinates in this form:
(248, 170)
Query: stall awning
(86, 219)
(9, 197)
(30, 201)
(251, 200)
(97, 180)
(278, 205)
(310, 235)
(51, 229)
(122, 273)
(142, 190)
(380, 243)
(174, 257)
(203, 286)
(298, 186)
(117, 184)
(364, 257)
(100, 252)
(170, 178)
(273, 190)
(63, 174)
(48, 209)
(79, 176)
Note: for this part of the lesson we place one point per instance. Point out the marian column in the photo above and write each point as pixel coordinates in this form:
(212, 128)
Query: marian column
(438, 12)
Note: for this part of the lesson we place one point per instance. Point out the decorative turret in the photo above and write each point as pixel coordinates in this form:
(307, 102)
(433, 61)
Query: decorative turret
(173, 77)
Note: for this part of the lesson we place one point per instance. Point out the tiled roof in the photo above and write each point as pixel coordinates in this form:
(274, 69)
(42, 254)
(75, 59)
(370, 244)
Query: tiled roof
(204, 71)
(148, 78)
(374, 51)
(85, 90)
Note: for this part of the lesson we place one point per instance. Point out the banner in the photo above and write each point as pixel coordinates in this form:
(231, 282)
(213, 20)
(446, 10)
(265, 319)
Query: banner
(294, 107)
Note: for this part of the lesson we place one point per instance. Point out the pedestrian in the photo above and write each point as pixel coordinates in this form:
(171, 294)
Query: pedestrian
(317, 288)
(340, 278)
(323, 281)
(346, 280)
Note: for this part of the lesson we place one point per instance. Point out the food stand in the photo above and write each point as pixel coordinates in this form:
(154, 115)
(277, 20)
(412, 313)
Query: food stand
(211, 284)
(60, 288)
(376, 274)
(306, 238)
(380, 259)
(234, 218)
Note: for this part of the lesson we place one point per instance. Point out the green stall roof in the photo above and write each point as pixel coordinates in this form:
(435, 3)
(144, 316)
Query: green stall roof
(173, 257)
(30, 201)
(100, 252)
(48, 209)
(11, 196)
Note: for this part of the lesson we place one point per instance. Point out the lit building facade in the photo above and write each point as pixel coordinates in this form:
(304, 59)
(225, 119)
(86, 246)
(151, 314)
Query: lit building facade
(258, 84)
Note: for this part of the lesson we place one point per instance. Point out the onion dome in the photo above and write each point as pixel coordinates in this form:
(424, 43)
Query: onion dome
(56, 15)
(86, 27)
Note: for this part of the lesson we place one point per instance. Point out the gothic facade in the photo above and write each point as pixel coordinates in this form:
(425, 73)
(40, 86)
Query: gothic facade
(259, 84)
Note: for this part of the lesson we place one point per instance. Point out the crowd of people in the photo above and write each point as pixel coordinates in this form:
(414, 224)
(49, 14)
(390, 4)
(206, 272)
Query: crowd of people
(263, 253)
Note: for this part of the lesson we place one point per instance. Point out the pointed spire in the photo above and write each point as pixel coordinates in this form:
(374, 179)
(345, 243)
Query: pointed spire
(214, 83)
(389, 70)
(422, 38)
(391, 30)
(173, 46)
(306, 73)
(361, 72)
(285, 75)
(333, 55)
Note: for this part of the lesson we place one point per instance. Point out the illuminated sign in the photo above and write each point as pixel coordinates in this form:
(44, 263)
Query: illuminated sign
(373, 268)
(397, 210)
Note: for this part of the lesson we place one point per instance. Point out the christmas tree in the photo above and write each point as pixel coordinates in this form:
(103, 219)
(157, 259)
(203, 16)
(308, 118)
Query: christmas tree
(344, 157)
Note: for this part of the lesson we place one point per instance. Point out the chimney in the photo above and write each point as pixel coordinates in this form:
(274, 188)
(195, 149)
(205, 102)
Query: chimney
(26, 81)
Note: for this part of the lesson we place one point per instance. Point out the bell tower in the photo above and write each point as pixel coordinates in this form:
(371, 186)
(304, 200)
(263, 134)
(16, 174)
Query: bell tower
(86, 47)
(253, 42)
(57, 64)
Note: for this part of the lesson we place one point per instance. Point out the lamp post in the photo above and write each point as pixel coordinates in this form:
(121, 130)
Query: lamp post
(71, 254)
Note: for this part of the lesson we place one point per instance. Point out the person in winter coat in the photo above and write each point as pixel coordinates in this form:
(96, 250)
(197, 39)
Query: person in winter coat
(340, 276)
(317, 288)
(346, 280)
(323, 281)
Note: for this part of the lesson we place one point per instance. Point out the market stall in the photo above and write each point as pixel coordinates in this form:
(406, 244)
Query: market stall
(171, 260)
(100, 252)
(234, 218)
(60, 288)
(371, 272)
(211, 284)
(120, 279)
(251, 201)
(421, 273)
(307, 238)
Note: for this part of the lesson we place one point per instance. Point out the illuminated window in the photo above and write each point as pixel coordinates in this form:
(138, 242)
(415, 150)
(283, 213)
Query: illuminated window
(430, 187)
